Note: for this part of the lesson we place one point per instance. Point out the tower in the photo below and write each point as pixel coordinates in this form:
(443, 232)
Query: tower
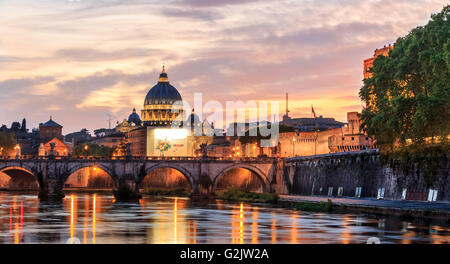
(286, 116)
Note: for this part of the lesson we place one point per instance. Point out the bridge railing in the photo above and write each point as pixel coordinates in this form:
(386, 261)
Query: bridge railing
(331, 155)
(128, 158)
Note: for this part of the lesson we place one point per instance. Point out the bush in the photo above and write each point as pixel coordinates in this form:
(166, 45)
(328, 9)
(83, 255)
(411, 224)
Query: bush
(234, 194)
(167, 192)
(314, 207)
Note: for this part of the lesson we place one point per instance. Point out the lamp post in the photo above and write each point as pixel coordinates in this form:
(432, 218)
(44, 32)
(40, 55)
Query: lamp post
(293, 146)
(86, 147)
(315, 144)
(17, 149)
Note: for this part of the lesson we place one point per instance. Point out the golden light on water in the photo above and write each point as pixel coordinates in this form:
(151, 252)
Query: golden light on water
(173, 222)
(16, 221)
(86, 216)
(273, 228)
(175, 214)
(241, 224)
(72, 218)
(346, 235)
(294, 231)
(94, 217)
(255, 225)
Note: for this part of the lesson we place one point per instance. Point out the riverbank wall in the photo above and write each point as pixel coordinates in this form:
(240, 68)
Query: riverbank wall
(366, 174)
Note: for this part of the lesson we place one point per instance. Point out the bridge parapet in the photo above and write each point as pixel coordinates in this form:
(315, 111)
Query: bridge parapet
(332, 155)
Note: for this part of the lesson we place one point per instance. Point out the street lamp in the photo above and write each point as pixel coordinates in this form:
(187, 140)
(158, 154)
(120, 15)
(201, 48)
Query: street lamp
(86, 147)
(17, 149)
(293, 146)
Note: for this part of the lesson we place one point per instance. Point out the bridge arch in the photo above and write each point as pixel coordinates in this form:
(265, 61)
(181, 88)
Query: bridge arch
(187, 175)
(20, 177)
(260, 174)
(74, 168)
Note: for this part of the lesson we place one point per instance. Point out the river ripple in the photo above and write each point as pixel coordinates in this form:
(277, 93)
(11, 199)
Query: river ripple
(95, 218)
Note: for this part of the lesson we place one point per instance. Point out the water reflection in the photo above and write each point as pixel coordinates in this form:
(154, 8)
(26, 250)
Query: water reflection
(94, 218)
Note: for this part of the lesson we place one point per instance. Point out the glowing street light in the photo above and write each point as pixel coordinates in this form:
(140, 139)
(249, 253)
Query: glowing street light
(293, 146)
(17, 149)
(86, 147)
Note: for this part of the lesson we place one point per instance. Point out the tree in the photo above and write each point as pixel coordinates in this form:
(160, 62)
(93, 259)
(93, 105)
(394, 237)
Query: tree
(407, 97)
(7, 143)
(92, 150)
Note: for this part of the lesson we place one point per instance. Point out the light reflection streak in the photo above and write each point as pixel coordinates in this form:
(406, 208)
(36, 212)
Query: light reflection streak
(439, 239)
(294, 231)
(86, 216)
(10, 220)
(241, 224)
(273, 228)
(94, 216)
(255, 225)
(175, 212)
(346, 235)
(21, 220)
(72, 218)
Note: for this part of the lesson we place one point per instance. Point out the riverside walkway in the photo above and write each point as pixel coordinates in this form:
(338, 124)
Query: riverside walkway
(366, 203)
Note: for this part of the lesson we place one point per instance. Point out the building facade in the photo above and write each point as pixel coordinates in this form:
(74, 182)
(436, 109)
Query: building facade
(368, 63)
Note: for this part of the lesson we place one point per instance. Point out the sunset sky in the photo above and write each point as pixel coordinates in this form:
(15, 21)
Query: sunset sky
(78, 60)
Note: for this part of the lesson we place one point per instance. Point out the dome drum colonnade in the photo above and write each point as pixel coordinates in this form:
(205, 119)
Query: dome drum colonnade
(163, 104)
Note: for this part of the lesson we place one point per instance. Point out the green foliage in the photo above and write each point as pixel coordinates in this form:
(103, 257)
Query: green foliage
(167, 192)
(7, 142)
(428, 158)
(234, 194)
(93, 150)
(313, 206)
(408, 95)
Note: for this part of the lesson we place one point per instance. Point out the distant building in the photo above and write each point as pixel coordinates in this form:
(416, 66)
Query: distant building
(137, 138)
(59, 149)
(368, 63)
(109, 140)
(131, 123)
(50, 130)
(343, 139)
(79, 137)
(306, 124)
(26, 140)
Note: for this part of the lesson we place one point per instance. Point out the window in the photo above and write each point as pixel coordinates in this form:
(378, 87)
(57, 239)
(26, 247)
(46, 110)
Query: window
(353, 138)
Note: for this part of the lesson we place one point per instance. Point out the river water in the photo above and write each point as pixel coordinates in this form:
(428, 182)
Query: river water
(95, 218)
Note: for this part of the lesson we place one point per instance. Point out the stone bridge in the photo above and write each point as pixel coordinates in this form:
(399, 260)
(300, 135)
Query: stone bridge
(128, 173)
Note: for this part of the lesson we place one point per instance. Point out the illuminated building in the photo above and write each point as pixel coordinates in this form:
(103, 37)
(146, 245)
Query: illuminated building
(51, 132)
(132, 122)
(309, 123)
(59, 149)
(163, 104)
(159, 133)
(343, 139)
(368, 63)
